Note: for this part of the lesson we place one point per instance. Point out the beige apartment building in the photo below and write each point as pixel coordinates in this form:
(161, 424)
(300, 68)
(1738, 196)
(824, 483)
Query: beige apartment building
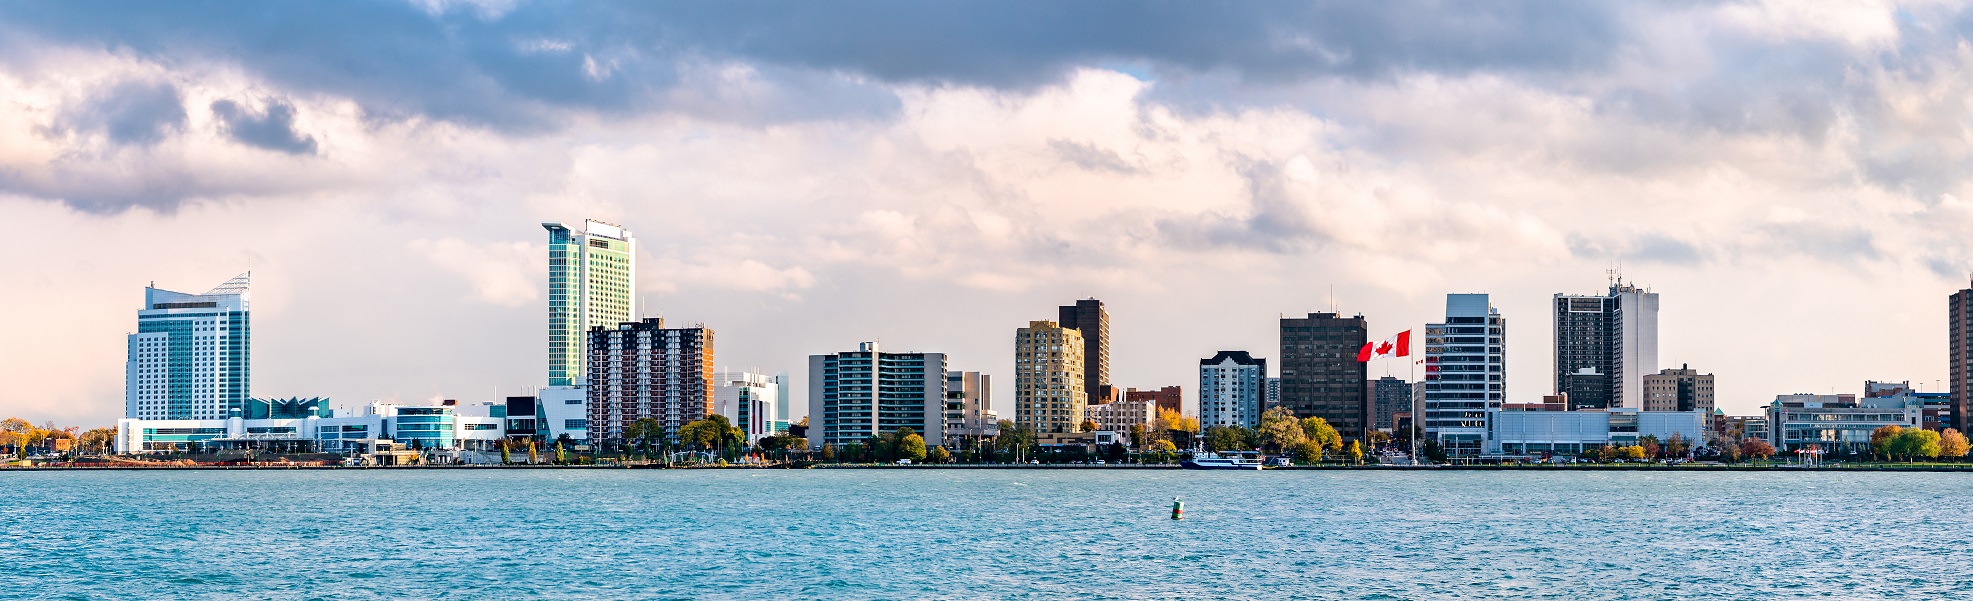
(1682, 389)
(1048, 378)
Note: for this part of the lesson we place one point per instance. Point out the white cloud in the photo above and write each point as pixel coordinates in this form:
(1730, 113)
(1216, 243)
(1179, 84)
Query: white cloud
(502, 273)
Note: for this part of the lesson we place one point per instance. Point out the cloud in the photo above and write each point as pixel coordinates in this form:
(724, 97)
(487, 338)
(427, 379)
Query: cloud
(272, 128)
(1089, 156)
(502, 273)
(130, 112)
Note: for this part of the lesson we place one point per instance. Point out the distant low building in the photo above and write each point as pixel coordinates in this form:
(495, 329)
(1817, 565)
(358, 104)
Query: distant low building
(1834, 423)
(1572, 432)
(1121, 415)
(421, 427)
(854, 395)
(1169, 398)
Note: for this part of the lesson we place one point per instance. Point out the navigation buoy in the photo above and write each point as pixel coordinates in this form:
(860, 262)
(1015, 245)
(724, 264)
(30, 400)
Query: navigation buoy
(1177, 509)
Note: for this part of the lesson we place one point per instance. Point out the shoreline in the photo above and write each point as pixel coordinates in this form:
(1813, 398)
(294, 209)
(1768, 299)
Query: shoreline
(1132, 467)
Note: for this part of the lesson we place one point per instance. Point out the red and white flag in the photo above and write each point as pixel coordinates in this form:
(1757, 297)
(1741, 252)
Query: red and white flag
(1395, 346)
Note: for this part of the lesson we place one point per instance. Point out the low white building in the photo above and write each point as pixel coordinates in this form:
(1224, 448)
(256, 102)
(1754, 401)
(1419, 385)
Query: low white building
(435, 427)
(749, 400)
(563, 410)
(1572, 432)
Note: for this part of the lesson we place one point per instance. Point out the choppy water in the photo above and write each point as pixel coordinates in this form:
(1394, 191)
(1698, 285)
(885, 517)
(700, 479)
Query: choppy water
(898, 534)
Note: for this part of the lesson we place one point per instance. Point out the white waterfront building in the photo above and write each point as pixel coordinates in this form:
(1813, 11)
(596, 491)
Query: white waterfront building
(1465, 373)
(750, 400)
(447, 426)
(1232, 389)
(191, 357)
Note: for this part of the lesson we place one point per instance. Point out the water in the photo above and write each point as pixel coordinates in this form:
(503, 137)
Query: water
(966, 534)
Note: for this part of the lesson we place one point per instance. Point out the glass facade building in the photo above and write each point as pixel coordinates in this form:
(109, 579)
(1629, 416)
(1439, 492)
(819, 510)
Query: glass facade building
(592, 282)
(191, 357)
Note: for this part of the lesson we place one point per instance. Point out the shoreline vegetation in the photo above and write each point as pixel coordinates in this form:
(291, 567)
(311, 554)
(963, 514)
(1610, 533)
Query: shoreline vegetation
(1871, 466)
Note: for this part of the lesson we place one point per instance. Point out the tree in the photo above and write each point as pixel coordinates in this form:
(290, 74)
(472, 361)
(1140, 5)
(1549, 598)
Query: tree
(1880, 440)
(1175, 424)
(1308, 452)
(506, 454)
(561, 452)
(1434, 451)
(829, 452)
(1632, 452)
(1758, 449)
(1651, 447)
(911, 446)
(1164, 446)
(1136, 433)
(713, 432)
(1319, 431)
(1226, 438)
(1677, 446)
(534, 453)
(1952, 444)
(1914, 443)
(939, 455)
(1279, 430)
(1015, 440)
(1730, 452)
(103, 440)
(1087, 425)
(1355, 452)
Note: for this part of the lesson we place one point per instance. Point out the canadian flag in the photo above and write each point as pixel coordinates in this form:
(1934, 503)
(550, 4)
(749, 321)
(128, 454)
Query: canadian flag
(1395, 346)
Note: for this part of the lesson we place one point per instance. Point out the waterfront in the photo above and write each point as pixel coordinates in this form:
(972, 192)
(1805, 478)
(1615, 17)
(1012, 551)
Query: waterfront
(895, 534)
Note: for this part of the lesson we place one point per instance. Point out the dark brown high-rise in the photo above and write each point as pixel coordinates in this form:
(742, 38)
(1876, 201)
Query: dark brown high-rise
(1959, 349)
(1088, 317)
(1320, 376)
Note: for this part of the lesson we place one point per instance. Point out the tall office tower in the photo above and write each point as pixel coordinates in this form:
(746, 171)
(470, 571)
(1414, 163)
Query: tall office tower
(853, 396)
(592, 282)
(1389, 397)
(1320, 376)
(1232, 386)
(191, 357)
(1169, 398)
(1088, 318)
(1682, 389)
(642, 369)
(969, 414)
(1959, 354)
(1605, 345)
(749, 401)
(1049, 378)
(1273, 394)
(1465, 372)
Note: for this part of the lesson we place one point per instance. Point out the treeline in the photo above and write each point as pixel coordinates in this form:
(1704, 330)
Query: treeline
(20, 439)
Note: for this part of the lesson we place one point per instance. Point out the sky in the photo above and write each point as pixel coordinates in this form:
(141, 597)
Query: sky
(1788, 176)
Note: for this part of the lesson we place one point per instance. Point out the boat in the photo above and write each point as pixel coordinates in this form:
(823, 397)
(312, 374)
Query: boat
(1214, 461)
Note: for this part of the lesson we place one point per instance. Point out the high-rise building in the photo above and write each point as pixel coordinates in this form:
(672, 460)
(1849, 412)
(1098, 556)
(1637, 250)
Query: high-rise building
(1169, 398)
(642, 369)
(858, 394)
(1320, 376)
(1605, 345)
(749, 401)
(1389, 397)
(1465, 372)
(1959, 355)
(1049, 378)
(1088, 318)
(969, 414)
(592, 282)
(1232, 386)
(1682, 389)
(191, 357)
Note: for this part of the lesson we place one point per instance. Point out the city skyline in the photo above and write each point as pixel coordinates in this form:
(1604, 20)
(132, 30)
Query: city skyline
(789, 195)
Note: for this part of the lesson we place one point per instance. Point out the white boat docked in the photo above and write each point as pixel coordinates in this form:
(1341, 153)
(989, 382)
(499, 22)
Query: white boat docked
(1215, 461)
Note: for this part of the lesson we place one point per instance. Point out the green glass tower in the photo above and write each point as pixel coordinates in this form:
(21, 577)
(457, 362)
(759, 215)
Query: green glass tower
(592, 277)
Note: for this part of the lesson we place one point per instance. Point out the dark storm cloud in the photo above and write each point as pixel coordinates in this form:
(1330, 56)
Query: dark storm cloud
(272, 129)
(513, 69)
(131, 112)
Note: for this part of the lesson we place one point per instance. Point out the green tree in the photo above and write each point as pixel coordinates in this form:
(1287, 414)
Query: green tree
(1308, 452)
(1279, 430)
(1914, 443)
(1016, 440)
(1226, 438)
(829, 452)
(1137, 439)
(1433, 450)
(911, 446)
(1952, 444)
(1324, 435)
(506, 454)
(561, 453)
(938, 454)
